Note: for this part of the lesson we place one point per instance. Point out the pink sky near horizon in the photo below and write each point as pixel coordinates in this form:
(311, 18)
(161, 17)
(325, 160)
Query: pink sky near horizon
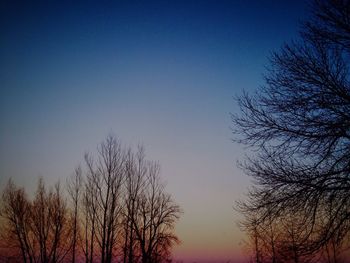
(213, 255)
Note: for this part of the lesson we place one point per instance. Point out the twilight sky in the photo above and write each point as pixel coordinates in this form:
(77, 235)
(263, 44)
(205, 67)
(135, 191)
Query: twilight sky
(158, 73)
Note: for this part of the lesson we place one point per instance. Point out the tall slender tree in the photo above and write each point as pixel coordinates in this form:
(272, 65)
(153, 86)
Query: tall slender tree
(74, 186)
(105, 178)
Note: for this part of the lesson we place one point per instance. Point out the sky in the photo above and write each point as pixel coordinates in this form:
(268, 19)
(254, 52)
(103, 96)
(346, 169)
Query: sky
(162, 74)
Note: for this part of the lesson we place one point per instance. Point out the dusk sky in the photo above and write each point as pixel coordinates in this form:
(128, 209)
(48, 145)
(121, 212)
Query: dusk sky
(162, 74)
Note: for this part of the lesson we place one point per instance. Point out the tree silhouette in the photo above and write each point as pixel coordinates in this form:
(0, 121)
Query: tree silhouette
(36, 229)
(127, 210)
(135, 184)
(105, 178)
(118, 210)
(16, 212)
(156, 215)
(300, 124)
(150, 213)
(74, 187)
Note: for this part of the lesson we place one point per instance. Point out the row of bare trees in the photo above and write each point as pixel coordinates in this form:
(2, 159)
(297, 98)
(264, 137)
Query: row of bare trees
(114, 209)
(289, 237)
(298, 126)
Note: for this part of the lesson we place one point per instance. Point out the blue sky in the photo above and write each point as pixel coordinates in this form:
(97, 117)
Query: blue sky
(158, 73)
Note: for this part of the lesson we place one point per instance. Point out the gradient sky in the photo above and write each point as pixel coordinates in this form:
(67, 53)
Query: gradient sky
(158, 73)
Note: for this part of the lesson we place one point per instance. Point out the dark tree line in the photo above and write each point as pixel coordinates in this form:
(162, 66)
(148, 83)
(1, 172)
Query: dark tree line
(299, 124)
(114, 209)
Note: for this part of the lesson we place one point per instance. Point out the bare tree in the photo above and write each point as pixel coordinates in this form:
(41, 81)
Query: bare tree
(16, 212)
(37, 228)
(74, 185)
(252, 245)
(41, 220)
(60, 221)
(264, 235)
(126, 207)
(135, 183)
(50, 224)
(105, 178)
(156, 217)
(89, 203)
(300, 123)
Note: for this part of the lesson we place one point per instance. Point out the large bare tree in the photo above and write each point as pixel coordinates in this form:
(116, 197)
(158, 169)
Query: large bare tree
(156, 215)
(150, 212)
(300, 124)
(104, 184)
(135, 183)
